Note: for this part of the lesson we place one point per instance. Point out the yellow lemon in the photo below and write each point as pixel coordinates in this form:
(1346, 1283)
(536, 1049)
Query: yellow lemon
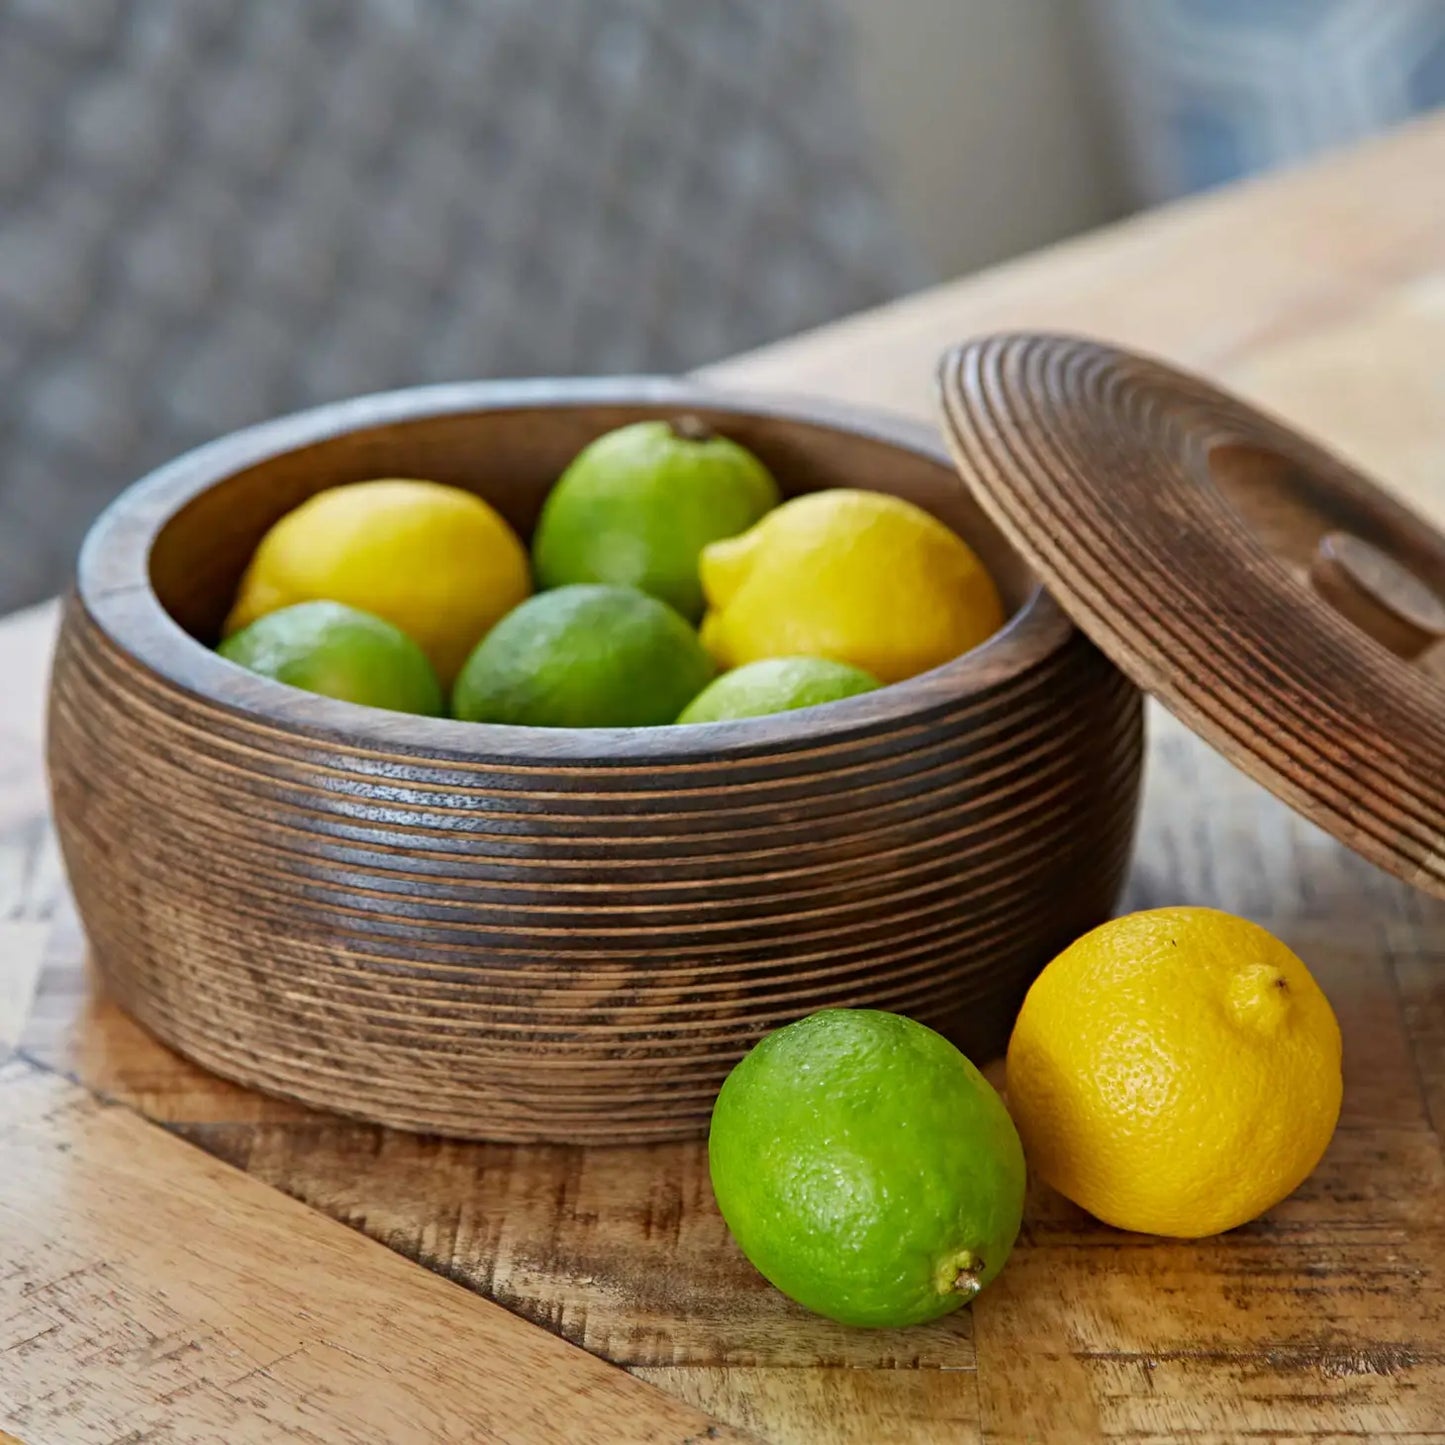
(433, 560)
(858, 577)
(1175, 1072)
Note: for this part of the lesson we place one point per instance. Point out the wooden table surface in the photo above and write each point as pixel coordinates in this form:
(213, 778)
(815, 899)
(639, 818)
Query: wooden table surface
(181, 1260)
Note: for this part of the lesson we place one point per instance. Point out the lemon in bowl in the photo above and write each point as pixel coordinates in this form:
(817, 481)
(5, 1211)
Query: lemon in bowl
(860, 577)
(433, 560)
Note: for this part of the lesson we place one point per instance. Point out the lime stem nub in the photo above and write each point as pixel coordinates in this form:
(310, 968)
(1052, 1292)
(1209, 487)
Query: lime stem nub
(691, 429)
(961, 1273)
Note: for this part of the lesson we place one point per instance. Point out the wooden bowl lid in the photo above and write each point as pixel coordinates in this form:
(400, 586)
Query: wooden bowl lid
(1279, 603)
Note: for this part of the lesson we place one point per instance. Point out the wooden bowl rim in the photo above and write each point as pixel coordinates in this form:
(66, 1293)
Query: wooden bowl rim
(114, 585)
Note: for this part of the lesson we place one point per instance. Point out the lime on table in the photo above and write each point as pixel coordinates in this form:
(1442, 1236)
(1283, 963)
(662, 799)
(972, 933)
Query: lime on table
(434, 560)
(341, 652)
(584, 656)
(776, 684)
(866, 1168)
(637, 506)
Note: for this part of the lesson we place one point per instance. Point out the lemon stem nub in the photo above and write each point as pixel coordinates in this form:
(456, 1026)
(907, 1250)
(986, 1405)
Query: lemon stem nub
(691, 429)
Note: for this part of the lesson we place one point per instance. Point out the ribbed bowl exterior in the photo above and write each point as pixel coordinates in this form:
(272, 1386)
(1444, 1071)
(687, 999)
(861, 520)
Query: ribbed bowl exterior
(573, 953)
(573, 948)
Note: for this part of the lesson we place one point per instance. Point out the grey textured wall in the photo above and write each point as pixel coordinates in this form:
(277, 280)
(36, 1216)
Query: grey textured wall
(213, 211)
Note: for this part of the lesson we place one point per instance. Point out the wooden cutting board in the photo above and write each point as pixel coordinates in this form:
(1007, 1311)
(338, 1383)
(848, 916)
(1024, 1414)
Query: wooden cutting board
(150, 1292)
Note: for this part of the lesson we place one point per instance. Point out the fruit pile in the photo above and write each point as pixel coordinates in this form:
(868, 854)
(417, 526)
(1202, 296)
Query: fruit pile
(1175, 1072)
(418, 597)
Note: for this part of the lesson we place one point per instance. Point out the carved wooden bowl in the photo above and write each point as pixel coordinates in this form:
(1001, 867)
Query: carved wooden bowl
(572, 935)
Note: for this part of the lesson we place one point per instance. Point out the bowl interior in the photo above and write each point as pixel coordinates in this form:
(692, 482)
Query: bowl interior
(511, 454)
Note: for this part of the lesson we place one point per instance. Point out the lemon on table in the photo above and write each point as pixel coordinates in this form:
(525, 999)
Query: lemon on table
(776, 684)
(336, 650)
(860, 577)
(584, 656)
(866, 1168)
(637, 506)
(1175, 1072)
(434, 560)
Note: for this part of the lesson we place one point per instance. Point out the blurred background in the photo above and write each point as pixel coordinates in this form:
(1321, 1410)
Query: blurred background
(213, 211)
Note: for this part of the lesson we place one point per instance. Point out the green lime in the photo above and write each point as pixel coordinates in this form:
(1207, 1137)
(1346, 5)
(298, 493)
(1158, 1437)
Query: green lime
(866, 1168)
(583, 657)
(776, 684)
(339, 651)
(637, 506)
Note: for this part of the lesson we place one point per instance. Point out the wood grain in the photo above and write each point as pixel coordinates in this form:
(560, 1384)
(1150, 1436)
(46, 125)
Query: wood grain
(840, 1406)
(557, 934)
(1185, 531)
(618, 1250)
(1335, 1302)
(29, 641)
(201, 1306)
(1318, 295)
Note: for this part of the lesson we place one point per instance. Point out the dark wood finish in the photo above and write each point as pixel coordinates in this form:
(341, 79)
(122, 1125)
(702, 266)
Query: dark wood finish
(1183, 529)
(1322, 1323)
(565, 935)
(1371, 589)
